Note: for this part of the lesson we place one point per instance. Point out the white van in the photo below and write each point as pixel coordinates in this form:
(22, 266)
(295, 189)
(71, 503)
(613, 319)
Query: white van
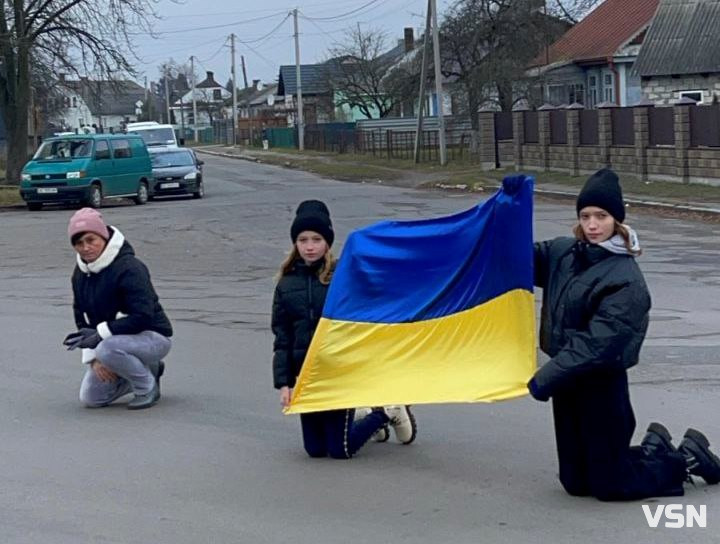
(157, 137)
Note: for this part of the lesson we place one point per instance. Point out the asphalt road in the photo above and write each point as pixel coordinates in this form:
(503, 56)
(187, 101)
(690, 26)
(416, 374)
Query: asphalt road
(216, 462)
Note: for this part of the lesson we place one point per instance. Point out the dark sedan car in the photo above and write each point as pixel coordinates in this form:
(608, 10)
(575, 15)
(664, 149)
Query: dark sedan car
(177, 172)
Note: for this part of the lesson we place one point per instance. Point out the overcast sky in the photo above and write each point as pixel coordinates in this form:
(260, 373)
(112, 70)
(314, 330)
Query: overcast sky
(202, 27)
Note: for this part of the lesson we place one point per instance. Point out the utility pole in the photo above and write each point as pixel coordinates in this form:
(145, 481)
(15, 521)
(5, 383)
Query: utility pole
(242, 61)
(423, 77)
(234, 89)
(438, 85)
(167, 97)
(194, 102)
(298, 79)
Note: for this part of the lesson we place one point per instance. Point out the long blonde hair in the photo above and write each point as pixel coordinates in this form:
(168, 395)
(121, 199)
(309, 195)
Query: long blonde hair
(324, 273)
(619, 229)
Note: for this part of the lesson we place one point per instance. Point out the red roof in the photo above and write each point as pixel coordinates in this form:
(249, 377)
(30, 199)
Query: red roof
(600, 34)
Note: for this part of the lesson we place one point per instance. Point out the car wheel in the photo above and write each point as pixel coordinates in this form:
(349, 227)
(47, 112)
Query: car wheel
(200, 190)
(34, 206)
(142, 194)
(94, 198)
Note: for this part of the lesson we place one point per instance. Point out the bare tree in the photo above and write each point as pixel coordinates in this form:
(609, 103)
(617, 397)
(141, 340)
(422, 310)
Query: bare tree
(487, 45)
(75, 36)
(355, 72)
(570, 10)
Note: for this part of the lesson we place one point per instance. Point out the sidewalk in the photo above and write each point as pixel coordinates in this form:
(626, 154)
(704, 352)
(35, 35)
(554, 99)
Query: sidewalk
(696, 200)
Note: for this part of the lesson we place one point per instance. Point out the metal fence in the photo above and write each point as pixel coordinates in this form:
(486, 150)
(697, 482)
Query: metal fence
(558, 127)
(705, 126)
(589, 127)
(623, 127)
(661, 124)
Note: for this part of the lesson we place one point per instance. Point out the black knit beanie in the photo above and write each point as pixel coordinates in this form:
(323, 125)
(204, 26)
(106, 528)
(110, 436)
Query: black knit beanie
(603, 190)
(313, 215)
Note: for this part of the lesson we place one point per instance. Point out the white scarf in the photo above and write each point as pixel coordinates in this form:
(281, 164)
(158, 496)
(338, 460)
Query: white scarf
(616, 244)
(106, 257)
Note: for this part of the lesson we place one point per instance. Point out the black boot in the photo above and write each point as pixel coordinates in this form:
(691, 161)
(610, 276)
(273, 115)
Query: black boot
(657, 440)
(157, 369)
(700, 460)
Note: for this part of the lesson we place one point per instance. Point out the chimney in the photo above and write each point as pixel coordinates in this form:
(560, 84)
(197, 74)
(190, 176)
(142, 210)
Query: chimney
(409, 39)
(255, 83)
(61, 76)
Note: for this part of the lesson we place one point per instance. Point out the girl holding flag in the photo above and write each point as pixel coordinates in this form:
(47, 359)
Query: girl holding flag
(594, 319)
(297, 307)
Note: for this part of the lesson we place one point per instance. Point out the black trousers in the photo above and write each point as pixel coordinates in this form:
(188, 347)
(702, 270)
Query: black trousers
(594, 423)
(334, 433)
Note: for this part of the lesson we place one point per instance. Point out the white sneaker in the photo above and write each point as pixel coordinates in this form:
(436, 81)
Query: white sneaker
(403, 422)
(382, 434)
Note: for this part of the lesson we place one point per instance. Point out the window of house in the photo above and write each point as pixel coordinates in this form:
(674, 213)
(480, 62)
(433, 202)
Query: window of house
(697, 96)
(576, 93)
(592, 91)
(556, 94)
(217, 94)
(608, 88)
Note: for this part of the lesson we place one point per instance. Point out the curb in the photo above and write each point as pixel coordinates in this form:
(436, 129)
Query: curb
(713, 213)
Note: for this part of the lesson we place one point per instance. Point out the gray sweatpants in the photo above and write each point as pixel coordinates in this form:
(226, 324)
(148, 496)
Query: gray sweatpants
(128, 356)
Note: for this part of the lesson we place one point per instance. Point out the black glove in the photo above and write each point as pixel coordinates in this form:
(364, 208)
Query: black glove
(84, 338)
(535, 391)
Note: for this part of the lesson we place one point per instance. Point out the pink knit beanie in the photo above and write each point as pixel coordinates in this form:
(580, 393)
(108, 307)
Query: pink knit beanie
(87, 220)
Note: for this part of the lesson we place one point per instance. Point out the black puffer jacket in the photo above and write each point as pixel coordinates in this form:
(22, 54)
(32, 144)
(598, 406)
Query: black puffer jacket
(594, 312)
(117, 283)
(297, 307)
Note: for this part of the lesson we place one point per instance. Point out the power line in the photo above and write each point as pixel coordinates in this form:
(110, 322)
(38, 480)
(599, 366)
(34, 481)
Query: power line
(260, 39)
(344, 15)
(210, 27)
(215, 54)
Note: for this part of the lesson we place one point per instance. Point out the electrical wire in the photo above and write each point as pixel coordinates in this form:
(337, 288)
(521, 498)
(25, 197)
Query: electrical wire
(344, 15)
(210, 27)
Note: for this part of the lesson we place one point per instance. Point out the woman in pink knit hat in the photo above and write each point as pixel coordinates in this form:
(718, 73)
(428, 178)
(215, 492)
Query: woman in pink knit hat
(122, 328)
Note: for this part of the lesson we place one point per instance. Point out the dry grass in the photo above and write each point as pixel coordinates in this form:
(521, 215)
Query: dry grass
(9, 195)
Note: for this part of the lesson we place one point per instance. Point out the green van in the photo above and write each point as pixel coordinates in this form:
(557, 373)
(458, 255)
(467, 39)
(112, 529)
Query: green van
(86, 168)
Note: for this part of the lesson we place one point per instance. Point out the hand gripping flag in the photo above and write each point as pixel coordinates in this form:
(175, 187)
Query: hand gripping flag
(432, 311)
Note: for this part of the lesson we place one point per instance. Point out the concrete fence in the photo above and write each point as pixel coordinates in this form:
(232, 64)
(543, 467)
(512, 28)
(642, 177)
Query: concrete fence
(680, 143)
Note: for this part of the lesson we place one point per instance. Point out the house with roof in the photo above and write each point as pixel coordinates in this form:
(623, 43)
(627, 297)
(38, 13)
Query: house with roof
(593, 61)
(104, 104)
(322, 85)
(317, 93)
(210, 98)
(681, 54)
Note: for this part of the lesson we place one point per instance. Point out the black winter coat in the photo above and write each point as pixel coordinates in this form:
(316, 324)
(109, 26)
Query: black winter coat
(594, 312)
(297, 307)
(123, 286)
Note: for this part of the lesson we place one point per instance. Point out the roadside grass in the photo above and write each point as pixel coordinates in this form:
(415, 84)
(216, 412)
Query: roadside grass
(467, 175)
(335, 169)
(9, 195)
(631, 186)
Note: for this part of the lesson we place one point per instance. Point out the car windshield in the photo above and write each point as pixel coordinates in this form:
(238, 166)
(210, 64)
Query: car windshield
(156, 136)
(64, 149)
(174, 158)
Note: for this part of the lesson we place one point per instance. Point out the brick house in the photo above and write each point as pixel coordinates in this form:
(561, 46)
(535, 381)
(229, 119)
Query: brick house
(592, 62)
(681, 54)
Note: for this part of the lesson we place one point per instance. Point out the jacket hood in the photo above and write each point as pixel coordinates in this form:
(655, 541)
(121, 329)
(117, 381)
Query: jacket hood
(116, 246)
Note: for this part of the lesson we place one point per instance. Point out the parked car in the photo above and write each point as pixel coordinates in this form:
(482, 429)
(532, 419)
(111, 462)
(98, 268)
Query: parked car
(177, 172)
(158, 138)
(87, 168)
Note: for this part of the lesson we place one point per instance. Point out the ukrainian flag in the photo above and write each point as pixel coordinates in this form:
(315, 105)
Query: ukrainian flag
(431, 311)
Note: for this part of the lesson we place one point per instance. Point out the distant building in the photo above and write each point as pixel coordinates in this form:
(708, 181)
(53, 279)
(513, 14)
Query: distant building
(592, 62)
(681, 54)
